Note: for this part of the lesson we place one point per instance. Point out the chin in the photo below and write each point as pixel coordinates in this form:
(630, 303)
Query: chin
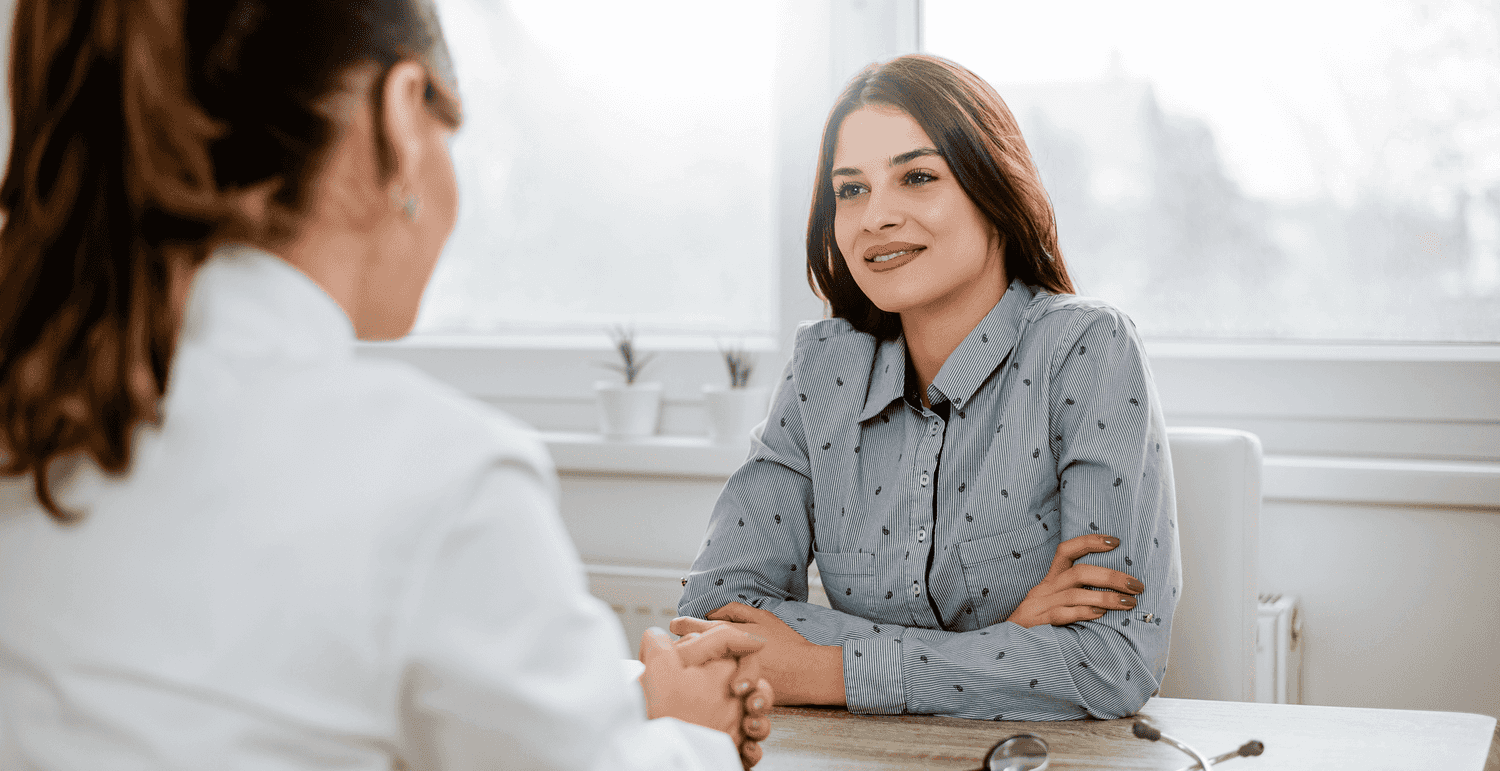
(897, 302)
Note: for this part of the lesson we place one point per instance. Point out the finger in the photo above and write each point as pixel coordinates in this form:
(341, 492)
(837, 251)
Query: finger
(756, 727)
(1073, 548)
(719, 642)
(1070, 550)
(750, 753)
(1063, 615)
(1095, 599)
(657, 650)
(685, 624)
(761, 700)
(746, 675)
(1102, 577)
(737, 612)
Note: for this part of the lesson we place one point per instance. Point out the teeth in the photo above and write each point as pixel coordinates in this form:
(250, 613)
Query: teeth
(892, 255)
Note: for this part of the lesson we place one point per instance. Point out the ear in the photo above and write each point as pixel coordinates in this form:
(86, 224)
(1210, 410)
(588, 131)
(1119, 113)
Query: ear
(404, 116)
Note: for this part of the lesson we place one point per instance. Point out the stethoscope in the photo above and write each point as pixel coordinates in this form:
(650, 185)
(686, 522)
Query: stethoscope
(1028, 752)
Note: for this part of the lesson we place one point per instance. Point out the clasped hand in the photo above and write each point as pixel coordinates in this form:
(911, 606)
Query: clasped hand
(799, 671)
(1063, 596)
(712, 679)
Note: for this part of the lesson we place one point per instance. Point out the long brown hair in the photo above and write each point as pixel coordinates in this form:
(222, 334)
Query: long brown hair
(137, 123)
(981, 142)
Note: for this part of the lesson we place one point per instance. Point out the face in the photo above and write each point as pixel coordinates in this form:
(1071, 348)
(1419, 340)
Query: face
(912, 239)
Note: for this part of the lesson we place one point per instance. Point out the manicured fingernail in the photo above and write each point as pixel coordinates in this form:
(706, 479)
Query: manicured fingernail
(754, 724)
(1127, 601)
(742, 687)
(1135, 586)
(758, 704)
(1111, 541)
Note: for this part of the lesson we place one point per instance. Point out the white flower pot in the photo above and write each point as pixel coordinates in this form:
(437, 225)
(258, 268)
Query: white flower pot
(732, 412)
(628, 411)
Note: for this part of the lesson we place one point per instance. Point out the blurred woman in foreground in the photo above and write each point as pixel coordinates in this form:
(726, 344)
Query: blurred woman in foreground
(224, 541)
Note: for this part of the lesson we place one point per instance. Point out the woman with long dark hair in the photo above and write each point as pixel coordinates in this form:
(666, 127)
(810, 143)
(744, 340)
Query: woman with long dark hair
(225, 542)
(973, 456)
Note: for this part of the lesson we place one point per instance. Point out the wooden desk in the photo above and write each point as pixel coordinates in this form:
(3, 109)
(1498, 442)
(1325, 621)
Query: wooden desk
(1296, 737)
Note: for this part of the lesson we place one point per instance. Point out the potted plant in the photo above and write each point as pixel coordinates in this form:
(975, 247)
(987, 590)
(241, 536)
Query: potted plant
(628, 410)
(734, 410)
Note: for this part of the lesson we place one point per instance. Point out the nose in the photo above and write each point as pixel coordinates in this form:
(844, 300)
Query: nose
(882, 212)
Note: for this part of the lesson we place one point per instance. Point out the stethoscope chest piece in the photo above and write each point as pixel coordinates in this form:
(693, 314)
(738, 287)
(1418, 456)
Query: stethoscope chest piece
(1023, 752)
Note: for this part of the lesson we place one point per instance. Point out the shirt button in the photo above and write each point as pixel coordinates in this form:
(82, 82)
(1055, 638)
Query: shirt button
(922, 534)
(934, 428)
(925, 479)
(916, 589)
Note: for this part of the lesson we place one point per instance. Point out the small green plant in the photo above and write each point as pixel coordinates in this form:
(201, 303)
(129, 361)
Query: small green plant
(740, 365)
(631, 361)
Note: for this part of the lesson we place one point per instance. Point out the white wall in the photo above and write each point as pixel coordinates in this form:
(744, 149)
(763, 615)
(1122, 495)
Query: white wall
(1399, 602)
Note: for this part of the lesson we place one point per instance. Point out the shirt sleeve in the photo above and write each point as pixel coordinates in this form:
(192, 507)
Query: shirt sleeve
(510, 663)
(1106, 668)
(1115, 478)
(759, 539)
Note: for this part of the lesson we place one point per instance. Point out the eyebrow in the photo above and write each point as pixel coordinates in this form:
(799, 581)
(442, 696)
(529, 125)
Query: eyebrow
(896, 160)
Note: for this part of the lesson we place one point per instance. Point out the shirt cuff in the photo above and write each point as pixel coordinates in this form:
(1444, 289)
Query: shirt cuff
(872, 677)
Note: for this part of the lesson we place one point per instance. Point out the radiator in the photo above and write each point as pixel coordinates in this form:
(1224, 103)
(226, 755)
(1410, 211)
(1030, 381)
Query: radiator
(641, 597)
(1278, 651)
(647, 597)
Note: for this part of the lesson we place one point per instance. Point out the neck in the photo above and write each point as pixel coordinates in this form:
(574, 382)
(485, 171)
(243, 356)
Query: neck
(933, 334)
(327, 259)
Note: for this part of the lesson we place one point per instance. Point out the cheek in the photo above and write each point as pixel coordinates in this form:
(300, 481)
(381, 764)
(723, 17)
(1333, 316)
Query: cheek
(845, 227)
(447, 192)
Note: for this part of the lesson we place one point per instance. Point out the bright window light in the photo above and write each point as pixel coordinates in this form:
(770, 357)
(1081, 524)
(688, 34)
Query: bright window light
(614, 168)
(1270, 170)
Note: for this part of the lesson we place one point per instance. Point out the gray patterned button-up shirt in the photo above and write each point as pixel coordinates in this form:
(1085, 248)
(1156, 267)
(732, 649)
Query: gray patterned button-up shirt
(930, 525)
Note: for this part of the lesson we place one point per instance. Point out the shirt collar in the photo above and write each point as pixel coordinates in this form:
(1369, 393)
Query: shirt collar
(976, 358)
(248, 302)
(887, 377)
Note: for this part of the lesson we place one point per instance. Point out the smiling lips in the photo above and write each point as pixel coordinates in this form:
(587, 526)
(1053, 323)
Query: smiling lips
(891, 255)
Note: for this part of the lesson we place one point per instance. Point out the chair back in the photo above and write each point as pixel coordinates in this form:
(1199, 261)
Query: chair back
(1217, 473)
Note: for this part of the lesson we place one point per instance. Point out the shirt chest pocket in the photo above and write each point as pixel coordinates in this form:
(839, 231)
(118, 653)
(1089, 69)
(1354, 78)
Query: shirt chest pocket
(849, 580)
(1000, 569)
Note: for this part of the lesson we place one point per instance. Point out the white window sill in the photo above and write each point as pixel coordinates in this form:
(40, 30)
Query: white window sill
(655, 456)
(1286, 477)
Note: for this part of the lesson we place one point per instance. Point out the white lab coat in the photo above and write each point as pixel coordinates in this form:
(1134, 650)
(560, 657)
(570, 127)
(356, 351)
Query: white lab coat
(316, 562)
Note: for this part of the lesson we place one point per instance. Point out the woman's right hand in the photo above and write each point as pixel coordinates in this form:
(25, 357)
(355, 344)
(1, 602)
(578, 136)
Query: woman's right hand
(1061, 599)
(712, 680)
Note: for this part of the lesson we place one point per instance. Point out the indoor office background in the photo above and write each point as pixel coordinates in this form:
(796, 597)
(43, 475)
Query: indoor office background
(1303, 219)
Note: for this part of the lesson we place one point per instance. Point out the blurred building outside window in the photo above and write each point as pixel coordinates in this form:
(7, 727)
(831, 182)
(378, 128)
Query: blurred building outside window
(1282, 170)
(615, 168)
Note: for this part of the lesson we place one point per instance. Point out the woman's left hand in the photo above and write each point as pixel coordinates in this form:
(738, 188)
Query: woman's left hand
(799, 671)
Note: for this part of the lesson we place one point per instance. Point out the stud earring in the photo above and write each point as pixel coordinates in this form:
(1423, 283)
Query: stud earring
(409, 204)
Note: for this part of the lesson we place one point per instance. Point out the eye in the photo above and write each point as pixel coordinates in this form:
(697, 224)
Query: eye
(917, 177)
(848, 190)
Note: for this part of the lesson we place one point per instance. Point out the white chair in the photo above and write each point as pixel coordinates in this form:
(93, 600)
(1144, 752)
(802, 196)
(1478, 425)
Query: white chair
(1217, 472)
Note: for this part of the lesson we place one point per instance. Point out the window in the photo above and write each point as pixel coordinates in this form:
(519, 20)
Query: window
(615, 167)
(1276, 170)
